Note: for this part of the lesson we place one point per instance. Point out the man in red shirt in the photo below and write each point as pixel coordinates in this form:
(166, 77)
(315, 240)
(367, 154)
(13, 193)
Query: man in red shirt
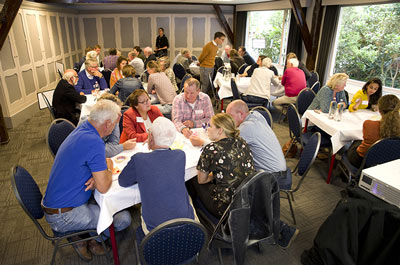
(294, 81)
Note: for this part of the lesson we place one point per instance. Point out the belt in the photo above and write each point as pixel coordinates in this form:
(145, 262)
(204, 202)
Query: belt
(56, 210)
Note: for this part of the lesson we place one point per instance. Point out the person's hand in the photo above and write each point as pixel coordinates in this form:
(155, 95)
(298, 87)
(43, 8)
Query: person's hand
(279, 77)
(98, 74)
(110, 164)
(117, 93)
(198, 63)
(196, 141)
(374, 107)
(90, 184)
(82, 94)
(188, 123)
(129, 144)
(317, 111)
(153, 91)
(358, 102)
(186, 132)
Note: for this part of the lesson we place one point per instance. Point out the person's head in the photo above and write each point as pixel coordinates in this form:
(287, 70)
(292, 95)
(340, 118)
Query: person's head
(88, 49)
(260, 59)
(112, 51)
(91, 55)
(111, 97)
(389, 106)
(147, 51)
(267, 62)
(291, 55)
(373, 88)
(128, 71)
(164, 63)
(162, 133)
(104, 115)
(71, 76)
(121, 62)
(227, 49)
(239, 110)
(241, 50)
(219, 38)
(161, 31)
(292, 62)
(153, 67)
(137, 50)
(97, 48)
(140, 100)
(118, 53)
(185, 53)
(91, 66)
(131, 55)
(191, 90)
(233, 53)
(222, 125)
(337, 82)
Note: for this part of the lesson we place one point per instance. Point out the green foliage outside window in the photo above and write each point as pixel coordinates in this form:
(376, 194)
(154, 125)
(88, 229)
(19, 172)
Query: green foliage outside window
(369, 43)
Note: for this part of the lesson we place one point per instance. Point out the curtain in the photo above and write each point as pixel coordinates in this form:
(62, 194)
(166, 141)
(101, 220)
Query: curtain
(294, 43)
(240, 36)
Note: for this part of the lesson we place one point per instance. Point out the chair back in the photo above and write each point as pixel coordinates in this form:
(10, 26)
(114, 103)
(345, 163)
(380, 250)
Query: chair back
(235, 90)
(177, 241)
(187, 76)
(58, 131)
(242, 68)
(213, 89)
(309, 154)
(194, 58)
(384, 150)
(107, 76)
(316, 87)
(179, 71)
(312, 79)
(121, 121)
(265, 112)
(220, 69)
(218, 62)
(144, 76)
(294, 123)
(304, 99)
(49, 106)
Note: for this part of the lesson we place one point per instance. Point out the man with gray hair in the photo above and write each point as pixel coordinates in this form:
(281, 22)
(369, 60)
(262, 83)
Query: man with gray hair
(136, 62)
(294, 81)
(158, 173)
(65, 97)
(80, 166)
(91, 78)
(148, 53)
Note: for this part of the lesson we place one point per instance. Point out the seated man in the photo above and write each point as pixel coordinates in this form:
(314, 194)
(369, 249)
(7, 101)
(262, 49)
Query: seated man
(246, 56)
(226, 53)
(161, 178)
(185, 60)
(136, 62)
(79, 167)
(65, 97)
(150, 56)
(110, 61)
(91, 78)
(192, 108)
(294, 81)
(264, 145)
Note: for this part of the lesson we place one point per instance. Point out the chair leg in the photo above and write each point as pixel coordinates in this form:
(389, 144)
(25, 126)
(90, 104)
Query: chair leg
(291, 194)
(292, 142)
(291, 208)
(54, 252)
(105, 248)
(137, 252)
(220, 256)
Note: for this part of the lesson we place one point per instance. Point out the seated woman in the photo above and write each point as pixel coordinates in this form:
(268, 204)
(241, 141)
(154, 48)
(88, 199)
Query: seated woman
(160, 86)
(164, 66)
(138, 118)
(388, 126)
(125, 86)
(222, 166)
(250, 69)
(333, 90)
(368, 96)
(236, 60)
(117, 73)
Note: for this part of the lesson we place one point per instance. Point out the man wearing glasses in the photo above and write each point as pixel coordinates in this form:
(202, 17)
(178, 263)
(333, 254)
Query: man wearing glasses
(66, 97)
(91, 78)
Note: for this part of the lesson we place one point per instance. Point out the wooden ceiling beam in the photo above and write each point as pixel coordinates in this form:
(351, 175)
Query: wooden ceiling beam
(315, 34)
(7, 16)
(301, 22)
(224, 23)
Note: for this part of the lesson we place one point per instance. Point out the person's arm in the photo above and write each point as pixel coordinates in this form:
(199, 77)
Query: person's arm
(177, 113)
(113, 79)
(203, 54)
(74, 96)
(206, 164)
(315, 105)
(356, 101)
(274, 80)
(283, 81)
(208, 110)
(103, 179)
(115, 88)
(112, 143)
(79, 86)
(204, 177)
(128, 175)
(150, 83)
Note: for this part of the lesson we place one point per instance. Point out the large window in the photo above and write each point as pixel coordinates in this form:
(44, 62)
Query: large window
(368, 43)
(267, 34)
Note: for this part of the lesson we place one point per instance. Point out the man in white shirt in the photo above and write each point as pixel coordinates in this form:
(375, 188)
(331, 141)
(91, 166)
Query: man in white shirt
(136, 62)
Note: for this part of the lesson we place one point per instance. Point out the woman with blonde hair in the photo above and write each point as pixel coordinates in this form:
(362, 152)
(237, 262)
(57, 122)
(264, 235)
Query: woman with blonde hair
(125, 86)
(117, 73)
(223, 165)
(333, 90)
(388, 126)
(165, 67)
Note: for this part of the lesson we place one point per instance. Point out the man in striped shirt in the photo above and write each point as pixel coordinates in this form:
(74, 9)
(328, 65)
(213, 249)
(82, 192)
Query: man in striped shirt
(192, 108)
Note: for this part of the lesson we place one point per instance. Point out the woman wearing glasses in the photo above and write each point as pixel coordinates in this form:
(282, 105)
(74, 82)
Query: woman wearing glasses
(138, 118)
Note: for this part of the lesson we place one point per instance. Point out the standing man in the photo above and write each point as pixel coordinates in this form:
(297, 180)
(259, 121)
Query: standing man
(91, 78)
(207, 59)
(247, 58)
(66, 97)
(80, 166)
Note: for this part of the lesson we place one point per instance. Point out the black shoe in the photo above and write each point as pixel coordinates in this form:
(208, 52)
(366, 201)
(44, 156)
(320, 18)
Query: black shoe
(288, 234)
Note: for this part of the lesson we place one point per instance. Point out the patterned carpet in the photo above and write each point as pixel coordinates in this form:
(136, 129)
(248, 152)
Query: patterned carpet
(21, 243)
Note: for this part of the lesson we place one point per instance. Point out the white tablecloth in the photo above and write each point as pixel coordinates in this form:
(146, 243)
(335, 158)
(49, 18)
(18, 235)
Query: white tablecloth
(225, 90)
(194, 68)
(88, 105)
(118, 198)
(344, 131)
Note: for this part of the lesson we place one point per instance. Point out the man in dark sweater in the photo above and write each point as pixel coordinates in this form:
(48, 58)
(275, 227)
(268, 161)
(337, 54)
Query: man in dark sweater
(65, 97)
(246, 56)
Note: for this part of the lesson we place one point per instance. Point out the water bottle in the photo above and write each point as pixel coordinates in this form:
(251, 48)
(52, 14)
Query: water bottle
(340, 108)
(332, 109)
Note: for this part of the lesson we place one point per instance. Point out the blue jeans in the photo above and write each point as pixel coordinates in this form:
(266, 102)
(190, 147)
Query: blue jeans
(85, 217)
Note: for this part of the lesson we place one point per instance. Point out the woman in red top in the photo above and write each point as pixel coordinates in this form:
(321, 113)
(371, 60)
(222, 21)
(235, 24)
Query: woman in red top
(388, 126)
(138, 119)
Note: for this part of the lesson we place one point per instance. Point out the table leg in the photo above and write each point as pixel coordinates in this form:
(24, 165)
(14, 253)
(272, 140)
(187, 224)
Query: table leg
(305, 126)
(328, 180)
(222, 104)
(114, 244)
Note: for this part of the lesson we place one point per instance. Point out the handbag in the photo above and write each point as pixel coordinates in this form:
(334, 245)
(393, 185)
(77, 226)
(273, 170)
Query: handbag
(293, 150)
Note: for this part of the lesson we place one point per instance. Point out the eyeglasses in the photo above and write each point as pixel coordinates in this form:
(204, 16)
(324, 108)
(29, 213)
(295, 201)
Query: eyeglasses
(144, 102)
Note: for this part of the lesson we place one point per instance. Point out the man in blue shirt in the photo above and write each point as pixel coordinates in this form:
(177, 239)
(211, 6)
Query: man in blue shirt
(161, 178)
(79, 167)
(90, 79)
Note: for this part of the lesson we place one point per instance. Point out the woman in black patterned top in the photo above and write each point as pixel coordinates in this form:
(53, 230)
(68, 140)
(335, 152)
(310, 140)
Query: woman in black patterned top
(223, 165)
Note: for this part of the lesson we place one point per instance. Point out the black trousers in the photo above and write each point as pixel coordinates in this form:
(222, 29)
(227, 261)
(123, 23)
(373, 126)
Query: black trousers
(354, 158)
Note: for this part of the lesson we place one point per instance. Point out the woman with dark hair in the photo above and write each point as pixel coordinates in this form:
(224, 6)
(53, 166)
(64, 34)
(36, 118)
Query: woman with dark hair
(161, 44)
(236, 60)
(117, 73)
(368, 96)
(138, 118)
(388, 126)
